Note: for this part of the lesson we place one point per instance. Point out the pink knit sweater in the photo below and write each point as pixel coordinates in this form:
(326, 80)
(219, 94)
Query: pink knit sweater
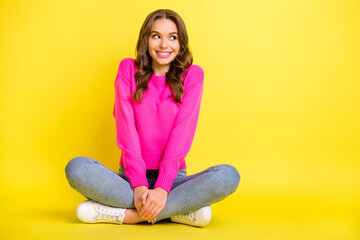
(157, 133)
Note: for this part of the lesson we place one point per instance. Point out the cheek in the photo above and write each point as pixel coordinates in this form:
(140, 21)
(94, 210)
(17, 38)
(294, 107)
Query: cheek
(151, 45)
(176, 47)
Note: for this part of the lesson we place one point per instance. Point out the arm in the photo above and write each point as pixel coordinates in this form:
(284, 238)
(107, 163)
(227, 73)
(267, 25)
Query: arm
(126, 132)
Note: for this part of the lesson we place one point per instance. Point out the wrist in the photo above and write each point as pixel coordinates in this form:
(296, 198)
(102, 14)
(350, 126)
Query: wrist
(161, 190)
(140, 188)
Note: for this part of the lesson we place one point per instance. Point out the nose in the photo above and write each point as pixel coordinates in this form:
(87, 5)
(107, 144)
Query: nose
(163, 43)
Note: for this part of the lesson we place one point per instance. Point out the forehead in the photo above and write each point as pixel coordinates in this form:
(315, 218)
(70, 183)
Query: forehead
(163, 25)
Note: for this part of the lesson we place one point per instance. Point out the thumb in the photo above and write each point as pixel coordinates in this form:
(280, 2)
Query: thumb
(144, 196)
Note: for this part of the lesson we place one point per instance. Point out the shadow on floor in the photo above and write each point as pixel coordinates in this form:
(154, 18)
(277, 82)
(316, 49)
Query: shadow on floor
(69, 216)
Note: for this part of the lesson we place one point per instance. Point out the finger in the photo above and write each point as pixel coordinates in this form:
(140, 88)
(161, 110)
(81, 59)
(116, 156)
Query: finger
(138, 207)
(157, 212)
(151, 216)
(145, 207)
(140, 204)
(148, 215)
(148, 211)
(144, 196)
(154, 219)
(151, 212)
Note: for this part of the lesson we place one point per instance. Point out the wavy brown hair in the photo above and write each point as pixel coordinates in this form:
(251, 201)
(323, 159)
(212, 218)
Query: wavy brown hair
(177, 71)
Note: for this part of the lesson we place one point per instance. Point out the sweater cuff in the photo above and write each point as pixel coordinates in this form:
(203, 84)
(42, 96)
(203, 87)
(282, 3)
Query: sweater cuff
(165, 181)
(137, 179)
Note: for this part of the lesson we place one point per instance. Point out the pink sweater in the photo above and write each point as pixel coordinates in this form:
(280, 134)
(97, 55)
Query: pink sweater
(157, 133)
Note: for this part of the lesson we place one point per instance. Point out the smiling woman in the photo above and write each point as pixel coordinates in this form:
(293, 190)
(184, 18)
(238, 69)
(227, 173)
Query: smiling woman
(163, 31)
(163, 45)
(155, 133)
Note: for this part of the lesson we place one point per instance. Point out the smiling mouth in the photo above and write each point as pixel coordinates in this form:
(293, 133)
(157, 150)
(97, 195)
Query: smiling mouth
(163, 53)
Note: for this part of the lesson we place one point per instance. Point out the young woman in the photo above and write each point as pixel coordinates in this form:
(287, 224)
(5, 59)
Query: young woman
(156, 109)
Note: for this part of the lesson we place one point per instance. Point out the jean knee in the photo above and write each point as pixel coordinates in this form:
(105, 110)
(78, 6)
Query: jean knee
(75, 167)
(228, 178)
(233, 173)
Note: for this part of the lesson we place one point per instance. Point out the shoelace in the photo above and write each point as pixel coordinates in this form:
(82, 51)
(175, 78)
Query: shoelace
(189, 216)
(108, 214)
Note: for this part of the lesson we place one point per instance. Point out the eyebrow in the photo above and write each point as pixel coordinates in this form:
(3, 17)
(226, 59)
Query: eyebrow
(160, 33)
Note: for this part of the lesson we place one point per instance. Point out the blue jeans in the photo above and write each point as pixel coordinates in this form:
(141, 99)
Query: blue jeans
(188, 193)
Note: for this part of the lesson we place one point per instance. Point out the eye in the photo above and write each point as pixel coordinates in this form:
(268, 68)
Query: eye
(173, 38)
(156, 36)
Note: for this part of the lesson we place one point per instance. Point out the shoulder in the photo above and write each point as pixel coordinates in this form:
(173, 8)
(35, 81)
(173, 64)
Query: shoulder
(127, 63)
(195, 74)
(126, 71)
(127, 68)
(195, 70)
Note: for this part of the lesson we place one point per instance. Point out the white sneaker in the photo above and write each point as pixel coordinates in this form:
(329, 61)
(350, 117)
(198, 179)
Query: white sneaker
(198, 218)
(94, 212)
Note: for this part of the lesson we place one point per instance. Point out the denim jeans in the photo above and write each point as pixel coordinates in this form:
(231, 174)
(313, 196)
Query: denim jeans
(188, 193)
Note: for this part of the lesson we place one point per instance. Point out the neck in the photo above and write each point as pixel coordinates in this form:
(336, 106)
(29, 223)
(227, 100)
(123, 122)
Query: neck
(160, 70)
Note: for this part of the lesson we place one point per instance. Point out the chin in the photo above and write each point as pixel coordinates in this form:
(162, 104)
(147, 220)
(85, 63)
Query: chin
(162, 63)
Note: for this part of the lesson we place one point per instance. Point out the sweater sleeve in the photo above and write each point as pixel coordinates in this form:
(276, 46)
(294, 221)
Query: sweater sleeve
(126, 133)
(183, 130)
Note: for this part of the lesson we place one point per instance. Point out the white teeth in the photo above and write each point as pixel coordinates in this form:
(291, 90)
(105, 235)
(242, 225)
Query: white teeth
(163, 53)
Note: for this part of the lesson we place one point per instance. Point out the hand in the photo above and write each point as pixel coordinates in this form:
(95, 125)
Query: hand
(155, 203)
(140, 195)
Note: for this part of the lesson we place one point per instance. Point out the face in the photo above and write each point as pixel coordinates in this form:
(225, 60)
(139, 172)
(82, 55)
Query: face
(163, 44)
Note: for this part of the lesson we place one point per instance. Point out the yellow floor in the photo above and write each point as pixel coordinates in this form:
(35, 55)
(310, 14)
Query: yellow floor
(234, 218)
(38, 203)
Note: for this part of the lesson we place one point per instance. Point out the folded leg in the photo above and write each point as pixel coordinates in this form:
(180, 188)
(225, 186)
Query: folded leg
(192, 192)
(99, 183)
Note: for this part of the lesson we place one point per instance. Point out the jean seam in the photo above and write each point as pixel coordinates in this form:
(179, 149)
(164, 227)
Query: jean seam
(186, 183)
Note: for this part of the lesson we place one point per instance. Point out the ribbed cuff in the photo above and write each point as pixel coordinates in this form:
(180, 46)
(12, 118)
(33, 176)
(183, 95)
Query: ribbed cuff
(165, 181)
(137, 179)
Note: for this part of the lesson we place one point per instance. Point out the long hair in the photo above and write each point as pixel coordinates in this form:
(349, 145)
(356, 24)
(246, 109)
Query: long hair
(177, 71)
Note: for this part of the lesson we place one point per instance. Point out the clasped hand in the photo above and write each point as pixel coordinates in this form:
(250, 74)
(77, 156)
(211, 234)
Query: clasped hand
(149, 203)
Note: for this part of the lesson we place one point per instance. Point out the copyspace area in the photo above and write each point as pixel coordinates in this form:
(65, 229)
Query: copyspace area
(281, 103)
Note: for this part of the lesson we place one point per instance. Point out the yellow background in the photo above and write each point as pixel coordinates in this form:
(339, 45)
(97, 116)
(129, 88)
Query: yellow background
(281, 104)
